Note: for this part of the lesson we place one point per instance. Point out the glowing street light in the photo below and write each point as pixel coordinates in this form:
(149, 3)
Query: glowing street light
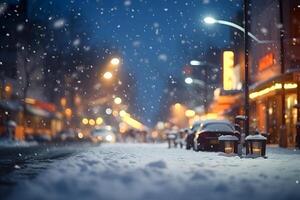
(115, 61)
(190, 113)
(188, 80)
(92, 122)
(118, 100)
(195, 63)
(85, 121)
(99, 120)
(245, 30)
(107, 75)
(209, 20)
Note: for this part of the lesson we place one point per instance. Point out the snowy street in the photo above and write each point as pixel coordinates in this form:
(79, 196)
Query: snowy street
(147, 171)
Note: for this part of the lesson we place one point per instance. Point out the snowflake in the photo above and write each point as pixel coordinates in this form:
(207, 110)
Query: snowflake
(59, 23)
(163, 57)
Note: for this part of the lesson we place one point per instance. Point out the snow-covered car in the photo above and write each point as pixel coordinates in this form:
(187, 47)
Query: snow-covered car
(189, 139)
(103, 134)
(206, 138)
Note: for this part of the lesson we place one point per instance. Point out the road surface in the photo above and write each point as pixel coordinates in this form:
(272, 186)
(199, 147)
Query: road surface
(151, 171)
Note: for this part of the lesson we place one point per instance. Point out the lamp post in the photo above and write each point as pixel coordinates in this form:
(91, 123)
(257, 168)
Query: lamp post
(245, 30)
(211, 20)
(246, 87)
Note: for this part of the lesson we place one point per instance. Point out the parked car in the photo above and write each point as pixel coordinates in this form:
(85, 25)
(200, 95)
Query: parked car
(103, 134)
(189, 138)
(68, 135)
(206, 138)
(37, 137)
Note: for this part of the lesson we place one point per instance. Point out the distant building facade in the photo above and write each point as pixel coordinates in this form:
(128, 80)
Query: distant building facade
(274, 65)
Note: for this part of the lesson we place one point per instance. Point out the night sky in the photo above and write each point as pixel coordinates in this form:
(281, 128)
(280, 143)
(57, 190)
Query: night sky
(154, 37)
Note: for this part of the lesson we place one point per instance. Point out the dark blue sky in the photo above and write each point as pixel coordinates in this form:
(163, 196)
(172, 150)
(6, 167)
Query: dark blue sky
(152, 36)
(155, 38)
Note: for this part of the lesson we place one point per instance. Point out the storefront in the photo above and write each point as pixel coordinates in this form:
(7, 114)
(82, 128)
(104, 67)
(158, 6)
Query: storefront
(39, 118)
(270, 115)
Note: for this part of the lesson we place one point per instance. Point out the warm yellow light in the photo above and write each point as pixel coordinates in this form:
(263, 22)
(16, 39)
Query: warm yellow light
(228, 67)
(276, 86)
(115, 61)
(190, 113)
(7, 88)
(132, 122)
(63, 102)
(80, 135)
(118, 100)
(30, 101)
(99, 120)
(107, 75)
(290, 85)
(68, 112)
(177, 106)
(123, 113)
(115, 113)
(154, 134)
(229, 147)
(92, 122)
(123, 127)
(209, 116)
(85, 121)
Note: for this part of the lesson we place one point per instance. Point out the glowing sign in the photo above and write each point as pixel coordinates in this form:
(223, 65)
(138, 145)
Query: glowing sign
(266, 61)
(276, 86)
(228, 70)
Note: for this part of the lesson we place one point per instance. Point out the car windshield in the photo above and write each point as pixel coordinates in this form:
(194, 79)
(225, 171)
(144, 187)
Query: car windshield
(99, 132)
(196, 127)
(222, 127)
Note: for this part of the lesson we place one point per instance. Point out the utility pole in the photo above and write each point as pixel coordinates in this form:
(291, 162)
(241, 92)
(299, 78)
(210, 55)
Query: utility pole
(246, 84)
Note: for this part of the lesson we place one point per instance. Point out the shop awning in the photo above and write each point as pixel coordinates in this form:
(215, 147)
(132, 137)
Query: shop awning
(38, 111)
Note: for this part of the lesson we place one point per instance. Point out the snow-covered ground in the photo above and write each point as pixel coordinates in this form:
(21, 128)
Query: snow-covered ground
(147, 171)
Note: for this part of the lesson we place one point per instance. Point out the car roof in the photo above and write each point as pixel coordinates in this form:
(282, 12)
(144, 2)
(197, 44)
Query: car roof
(211, 121)
(197, 123)
(207, 125)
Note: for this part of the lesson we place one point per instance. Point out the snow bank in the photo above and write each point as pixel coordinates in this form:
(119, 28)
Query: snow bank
(148, 172)
(255, 137)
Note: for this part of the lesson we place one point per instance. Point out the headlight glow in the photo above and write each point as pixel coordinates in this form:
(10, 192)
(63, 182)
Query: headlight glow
(109, 138)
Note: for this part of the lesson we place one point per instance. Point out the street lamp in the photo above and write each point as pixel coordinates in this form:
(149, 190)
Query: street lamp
(195, 62)
(211, 20)
(118, 100)
(107, 75)
(188, 80)
(115, 61)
